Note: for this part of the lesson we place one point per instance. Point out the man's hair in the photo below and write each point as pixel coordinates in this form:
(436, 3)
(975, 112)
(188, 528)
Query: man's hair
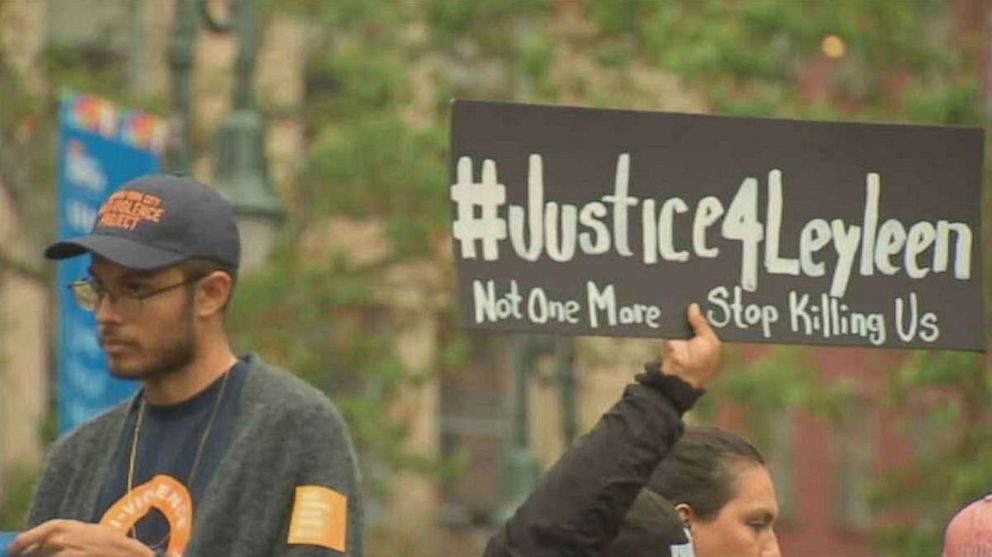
(202, 267)
(701, 469)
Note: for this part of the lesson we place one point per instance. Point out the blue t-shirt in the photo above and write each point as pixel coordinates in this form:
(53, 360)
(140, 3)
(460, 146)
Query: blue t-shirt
(163, 500)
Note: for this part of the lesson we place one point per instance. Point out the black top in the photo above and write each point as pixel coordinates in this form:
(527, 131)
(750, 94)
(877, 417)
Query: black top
(167, 445)
(580, 507)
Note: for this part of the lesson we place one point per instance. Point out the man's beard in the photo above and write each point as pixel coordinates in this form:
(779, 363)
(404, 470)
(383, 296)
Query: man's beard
(171, 354)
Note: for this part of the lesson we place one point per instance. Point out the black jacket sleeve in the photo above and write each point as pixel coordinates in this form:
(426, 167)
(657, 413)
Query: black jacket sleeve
(578, 506)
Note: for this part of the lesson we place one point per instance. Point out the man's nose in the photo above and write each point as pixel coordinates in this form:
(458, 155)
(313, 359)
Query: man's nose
(105, 311)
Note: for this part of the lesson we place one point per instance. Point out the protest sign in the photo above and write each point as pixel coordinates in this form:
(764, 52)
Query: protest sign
(609, 222)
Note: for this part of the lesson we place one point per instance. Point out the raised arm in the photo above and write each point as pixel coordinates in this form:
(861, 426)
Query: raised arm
(579, 504)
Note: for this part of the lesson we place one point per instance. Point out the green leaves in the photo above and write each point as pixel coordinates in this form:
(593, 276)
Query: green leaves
(379, 167)
(749, 57)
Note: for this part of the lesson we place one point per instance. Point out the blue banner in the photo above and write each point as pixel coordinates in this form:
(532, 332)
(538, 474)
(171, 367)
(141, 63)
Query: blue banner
(100, 148)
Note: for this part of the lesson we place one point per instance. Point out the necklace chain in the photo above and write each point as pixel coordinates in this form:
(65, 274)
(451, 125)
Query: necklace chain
(132, 460)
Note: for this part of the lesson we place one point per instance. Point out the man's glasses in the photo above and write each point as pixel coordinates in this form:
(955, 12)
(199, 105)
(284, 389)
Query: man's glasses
(89, 294)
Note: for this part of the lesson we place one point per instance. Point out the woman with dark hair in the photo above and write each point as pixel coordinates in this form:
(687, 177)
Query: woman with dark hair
(722, 491)
(596, 500)
(579, 506)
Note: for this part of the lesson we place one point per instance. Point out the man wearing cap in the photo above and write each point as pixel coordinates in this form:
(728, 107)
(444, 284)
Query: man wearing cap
(216, 454)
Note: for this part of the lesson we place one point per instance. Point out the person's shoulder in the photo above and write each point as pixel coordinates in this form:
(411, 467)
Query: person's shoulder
(94, 433)
(274, 391)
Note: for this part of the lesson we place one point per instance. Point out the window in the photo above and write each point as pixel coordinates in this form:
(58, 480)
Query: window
(853, 448)
(472, 428)
(780, 456)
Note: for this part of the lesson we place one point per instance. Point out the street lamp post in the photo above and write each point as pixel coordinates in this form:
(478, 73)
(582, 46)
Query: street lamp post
(181, 65)
(520, 467)
(241, 171)
(565, 374)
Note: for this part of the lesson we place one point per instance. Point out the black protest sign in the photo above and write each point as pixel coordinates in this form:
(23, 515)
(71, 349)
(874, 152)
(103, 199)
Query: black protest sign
(608, 222)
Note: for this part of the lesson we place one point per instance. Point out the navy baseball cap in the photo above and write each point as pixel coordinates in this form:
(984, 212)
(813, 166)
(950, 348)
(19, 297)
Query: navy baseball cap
(156, 221)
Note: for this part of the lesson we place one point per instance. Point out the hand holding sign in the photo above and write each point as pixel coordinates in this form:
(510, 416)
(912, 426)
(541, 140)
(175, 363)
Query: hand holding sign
(697, 360)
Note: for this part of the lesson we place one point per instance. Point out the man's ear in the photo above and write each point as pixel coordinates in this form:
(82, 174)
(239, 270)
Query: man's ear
(213, 292)
(685, 514)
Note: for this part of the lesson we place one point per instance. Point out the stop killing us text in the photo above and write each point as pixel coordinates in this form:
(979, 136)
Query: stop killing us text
(803, 313)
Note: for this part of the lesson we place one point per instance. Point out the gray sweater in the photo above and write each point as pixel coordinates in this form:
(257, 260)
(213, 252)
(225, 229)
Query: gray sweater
(286, 434)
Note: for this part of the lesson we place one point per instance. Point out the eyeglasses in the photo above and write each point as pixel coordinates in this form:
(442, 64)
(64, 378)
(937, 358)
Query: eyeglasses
(89, 293)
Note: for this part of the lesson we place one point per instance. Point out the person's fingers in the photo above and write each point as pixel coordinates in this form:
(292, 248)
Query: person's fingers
(666, 348)
(700, 326)
(35, 536)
